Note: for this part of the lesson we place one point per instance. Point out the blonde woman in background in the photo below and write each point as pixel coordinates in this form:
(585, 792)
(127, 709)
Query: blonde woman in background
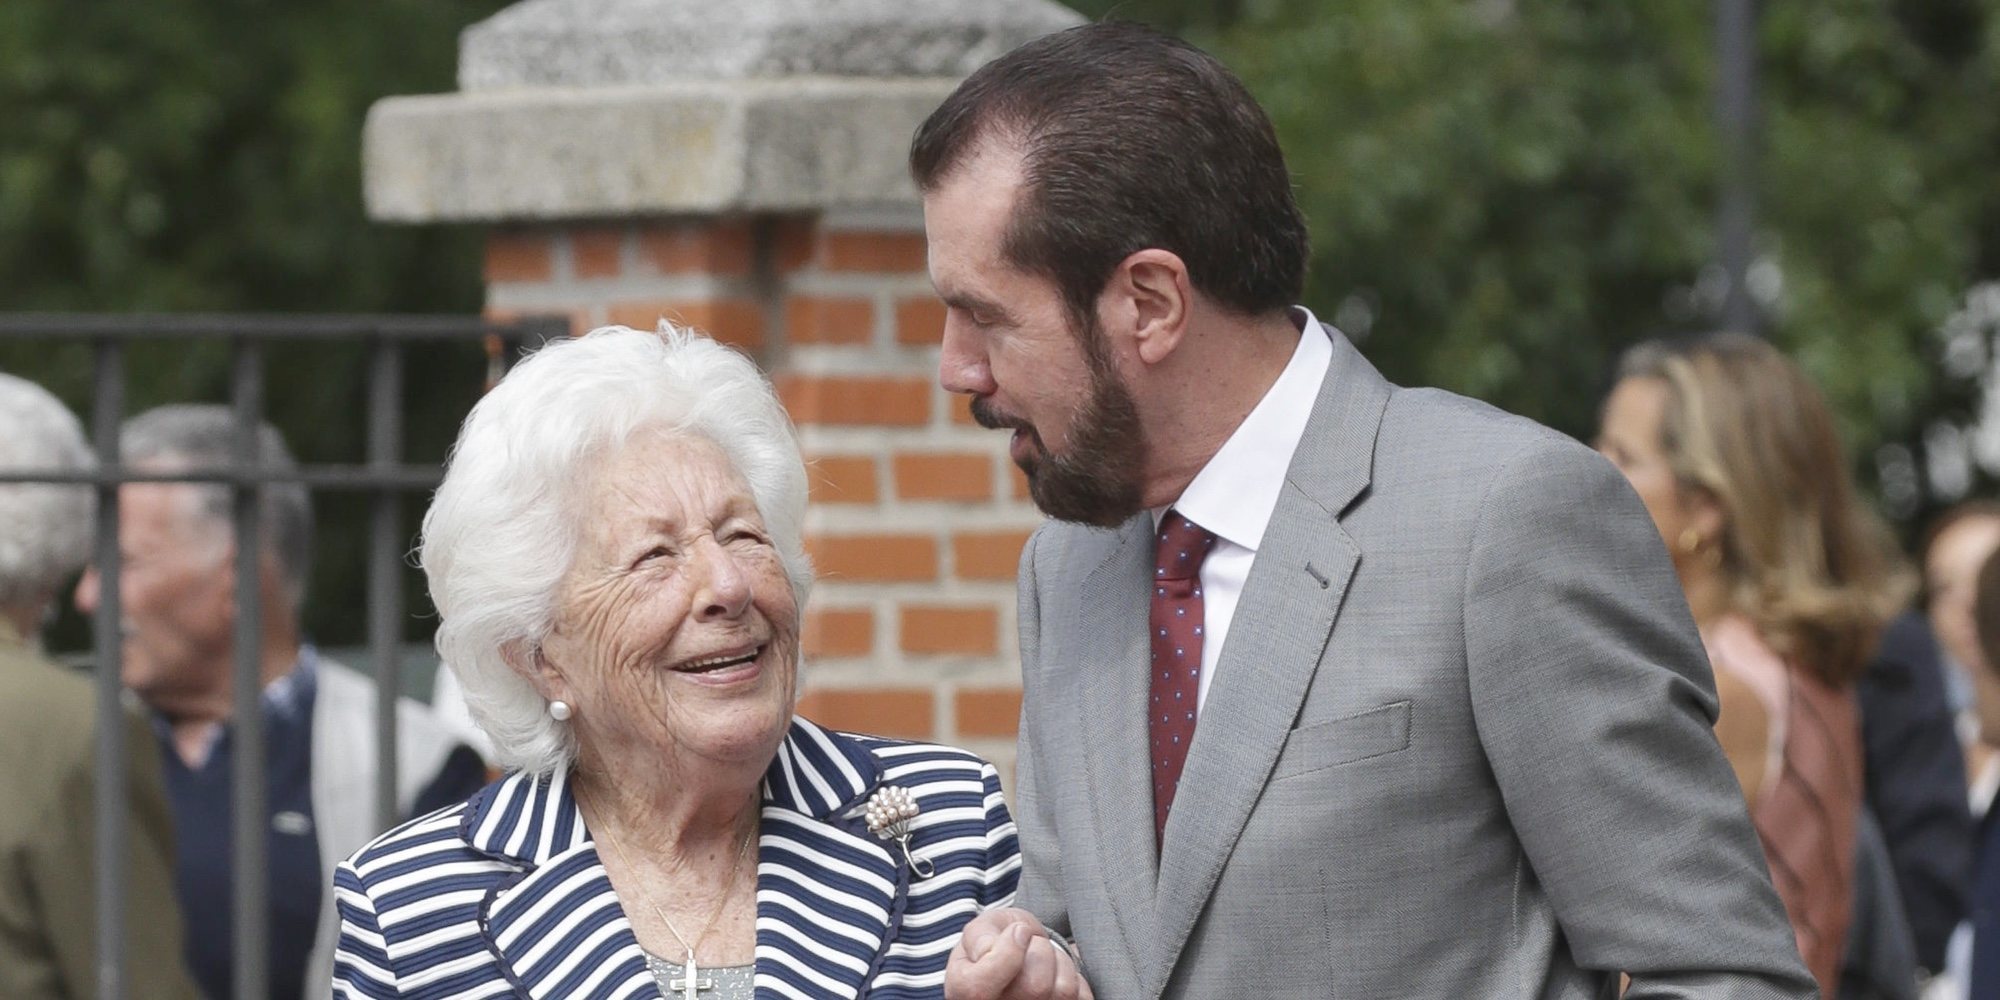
(1790, 579)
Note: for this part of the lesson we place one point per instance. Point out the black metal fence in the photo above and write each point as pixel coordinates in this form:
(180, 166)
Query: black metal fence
(384, 475)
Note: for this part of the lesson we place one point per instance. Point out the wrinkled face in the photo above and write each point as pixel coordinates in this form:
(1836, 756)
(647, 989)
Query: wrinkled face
(1951, 577)
(1011, 345)
(676, 632)
(1629, 435)
(176, 605)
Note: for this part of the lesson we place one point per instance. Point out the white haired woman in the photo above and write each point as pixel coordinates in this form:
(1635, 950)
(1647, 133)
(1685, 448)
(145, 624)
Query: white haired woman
(616, 559)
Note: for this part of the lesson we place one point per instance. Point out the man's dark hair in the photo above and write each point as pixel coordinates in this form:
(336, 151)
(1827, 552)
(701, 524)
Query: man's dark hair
(1131, 140)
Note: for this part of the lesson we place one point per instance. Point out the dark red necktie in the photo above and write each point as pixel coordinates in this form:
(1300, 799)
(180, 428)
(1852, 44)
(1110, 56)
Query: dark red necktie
(1176, 634)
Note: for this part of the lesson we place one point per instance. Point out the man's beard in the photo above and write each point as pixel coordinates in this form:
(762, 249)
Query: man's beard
(1098, 480)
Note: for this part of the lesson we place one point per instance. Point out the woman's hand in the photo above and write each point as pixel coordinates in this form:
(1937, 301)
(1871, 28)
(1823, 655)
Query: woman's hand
(1005, 954)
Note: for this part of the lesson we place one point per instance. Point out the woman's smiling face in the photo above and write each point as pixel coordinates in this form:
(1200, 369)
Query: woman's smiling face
(676, 629)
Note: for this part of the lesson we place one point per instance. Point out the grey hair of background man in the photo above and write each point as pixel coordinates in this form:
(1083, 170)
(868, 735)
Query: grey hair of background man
(504, 525)
(184, 436)
(45, 530)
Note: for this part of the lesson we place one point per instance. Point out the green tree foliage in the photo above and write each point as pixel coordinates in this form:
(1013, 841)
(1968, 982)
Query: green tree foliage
(1504, 195)
(204, 155)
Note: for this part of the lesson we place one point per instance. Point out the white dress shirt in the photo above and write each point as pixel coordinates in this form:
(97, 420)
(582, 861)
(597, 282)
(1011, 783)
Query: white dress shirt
(1235, 493)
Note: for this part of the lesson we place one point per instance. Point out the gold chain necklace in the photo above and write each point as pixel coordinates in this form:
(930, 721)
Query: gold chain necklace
(691, 982)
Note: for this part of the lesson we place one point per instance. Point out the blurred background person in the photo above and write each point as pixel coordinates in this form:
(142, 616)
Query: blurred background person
(48, 911)
(1958, 543)
(178, 610)
(1916, 784)
(1975, 958)
(1790, 579)
(620, 592)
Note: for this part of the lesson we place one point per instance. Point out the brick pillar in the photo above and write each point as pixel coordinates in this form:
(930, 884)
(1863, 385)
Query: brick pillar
(639, 159)
(918, 516)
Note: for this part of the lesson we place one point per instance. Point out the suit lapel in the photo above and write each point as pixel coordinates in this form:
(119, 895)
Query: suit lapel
(828, 891)
(557, 928)
(1281, 627)
(1111, 653)
(560, 932)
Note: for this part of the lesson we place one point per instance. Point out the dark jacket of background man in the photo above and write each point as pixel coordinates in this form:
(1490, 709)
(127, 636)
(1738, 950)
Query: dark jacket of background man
(1916, 782)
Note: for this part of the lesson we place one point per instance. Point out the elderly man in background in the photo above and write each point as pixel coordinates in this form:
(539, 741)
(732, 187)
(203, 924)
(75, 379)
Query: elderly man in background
(48, 945)
(178, 594)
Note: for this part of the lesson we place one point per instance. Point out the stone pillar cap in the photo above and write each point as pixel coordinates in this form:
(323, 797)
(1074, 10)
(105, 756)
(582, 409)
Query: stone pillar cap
(605, 43)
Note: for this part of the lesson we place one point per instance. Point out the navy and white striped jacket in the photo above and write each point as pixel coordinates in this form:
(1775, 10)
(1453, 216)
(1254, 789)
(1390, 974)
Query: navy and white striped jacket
(503, 896)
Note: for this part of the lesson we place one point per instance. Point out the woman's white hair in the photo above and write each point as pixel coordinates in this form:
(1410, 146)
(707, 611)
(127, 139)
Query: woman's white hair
(45, 529)
(503, 527)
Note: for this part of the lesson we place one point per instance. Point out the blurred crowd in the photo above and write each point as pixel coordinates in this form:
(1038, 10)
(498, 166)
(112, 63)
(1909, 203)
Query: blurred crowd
(1853, 701)
(176, 611)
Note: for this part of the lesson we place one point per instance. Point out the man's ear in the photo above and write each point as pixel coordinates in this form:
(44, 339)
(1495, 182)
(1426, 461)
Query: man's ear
(1150, 298)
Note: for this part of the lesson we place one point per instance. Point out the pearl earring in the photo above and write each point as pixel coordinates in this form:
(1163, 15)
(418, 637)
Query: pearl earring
(559, 710)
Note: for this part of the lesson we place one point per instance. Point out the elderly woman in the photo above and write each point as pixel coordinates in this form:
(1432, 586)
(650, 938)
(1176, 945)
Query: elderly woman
(48, 922)
(616, 559)
(1790, 578)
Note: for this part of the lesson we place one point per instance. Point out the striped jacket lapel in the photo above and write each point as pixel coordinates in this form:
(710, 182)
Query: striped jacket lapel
(827, 890)
(556, 928)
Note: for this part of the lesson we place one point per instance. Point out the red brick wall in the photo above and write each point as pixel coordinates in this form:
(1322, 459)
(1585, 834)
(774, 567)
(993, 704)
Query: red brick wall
(917, 516)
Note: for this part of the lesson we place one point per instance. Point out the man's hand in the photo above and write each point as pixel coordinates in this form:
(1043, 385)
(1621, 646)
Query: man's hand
(1006, 955)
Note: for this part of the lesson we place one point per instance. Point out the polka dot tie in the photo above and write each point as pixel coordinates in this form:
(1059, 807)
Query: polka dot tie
(1176, 635)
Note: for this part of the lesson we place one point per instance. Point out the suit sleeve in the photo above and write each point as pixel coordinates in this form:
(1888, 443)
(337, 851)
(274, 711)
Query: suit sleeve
(1041, 857)
(64, 869)
(361, 967)
(1595, 706)
(1003, 850)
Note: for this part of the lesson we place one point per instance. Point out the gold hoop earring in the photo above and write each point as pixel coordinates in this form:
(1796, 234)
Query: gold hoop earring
(1689, 541)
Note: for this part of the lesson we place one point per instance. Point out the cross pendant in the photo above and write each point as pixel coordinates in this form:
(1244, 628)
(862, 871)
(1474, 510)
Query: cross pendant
(691, 983)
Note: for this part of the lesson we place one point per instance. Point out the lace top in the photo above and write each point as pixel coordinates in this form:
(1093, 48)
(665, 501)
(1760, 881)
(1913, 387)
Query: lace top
(730, 982)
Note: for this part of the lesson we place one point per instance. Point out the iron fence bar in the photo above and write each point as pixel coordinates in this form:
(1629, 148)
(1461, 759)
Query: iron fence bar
(249, 818)
(382, 474)
(64, 326)
(1736, 117)
(107, 411)
(407, 478)
(385, 577)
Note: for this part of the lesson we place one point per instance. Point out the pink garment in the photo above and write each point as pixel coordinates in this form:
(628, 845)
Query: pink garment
(1735, 647)
(1810, 800)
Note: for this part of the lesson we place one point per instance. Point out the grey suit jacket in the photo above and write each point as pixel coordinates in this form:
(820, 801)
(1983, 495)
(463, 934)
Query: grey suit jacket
(1458, 743)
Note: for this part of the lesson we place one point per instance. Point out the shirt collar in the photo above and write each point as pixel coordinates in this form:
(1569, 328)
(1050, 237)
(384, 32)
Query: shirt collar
(291, 696)
(285, 700)
(1235, 493)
